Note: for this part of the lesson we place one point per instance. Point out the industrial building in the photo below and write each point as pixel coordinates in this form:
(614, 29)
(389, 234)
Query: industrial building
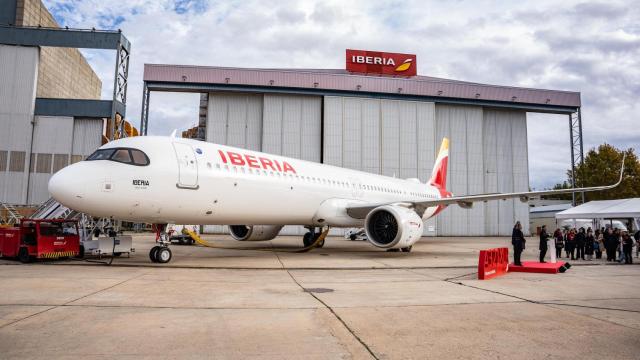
(389, 125)
(51, 114)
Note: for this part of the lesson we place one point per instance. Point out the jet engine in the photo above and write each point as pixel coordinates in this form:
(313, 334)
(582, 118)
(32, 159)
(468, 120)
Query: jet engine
(254, 232)
(393, 227)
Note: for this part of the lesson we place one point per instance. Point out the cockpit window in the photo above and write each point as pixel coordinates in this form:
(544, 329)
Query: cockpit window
(101, 154)
(139, 158)
(122, 155)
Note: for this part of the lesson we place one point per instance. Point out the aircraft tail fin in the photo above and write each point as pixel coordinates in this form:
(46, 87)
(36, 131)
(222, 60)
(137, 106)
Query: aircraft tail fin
(439, 173)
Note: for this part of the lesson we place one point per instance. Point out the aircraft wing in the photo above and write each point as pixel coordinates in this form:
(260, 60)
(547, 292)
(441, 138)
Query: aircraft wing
(360, 211)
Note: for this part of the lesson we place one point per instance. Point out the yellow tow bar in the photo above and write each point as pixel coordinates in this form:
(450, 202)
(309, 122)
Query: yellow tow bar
(202, 242)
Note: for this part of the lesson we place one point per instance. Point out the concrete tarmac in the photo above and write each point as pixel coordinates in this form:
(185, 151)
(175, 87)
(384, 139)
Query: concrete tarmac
(347, 300)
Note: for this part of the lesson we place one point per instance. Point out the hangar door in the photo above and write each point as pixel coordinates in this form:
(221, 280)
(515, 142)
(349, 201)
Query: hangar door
(381, 136)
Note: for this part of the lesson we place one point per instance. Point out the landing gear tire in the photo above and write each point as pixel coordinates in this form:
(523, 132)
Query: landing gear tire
(153, 254)
(81, 252)
(407, 249)
(308, 239)
(23, 255)
(163, 255)
(352, 237)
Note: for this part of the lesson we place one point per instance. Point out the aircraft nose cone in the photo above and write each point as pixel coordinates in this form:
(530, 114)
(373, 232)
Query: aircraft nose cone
(63, 186)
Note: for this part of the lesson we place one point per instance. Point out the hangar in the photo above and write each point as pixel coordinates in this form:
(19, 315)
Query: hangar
(383, 124)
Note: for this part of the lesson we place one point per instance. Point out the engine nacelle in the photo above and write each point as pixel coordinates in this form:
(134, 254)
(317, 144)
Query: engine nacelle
(254, 232)
(393, 227)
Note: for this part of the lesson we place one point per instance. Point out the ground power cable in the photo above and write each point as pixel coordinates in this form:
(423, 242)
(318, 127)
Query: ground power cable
(315, 244)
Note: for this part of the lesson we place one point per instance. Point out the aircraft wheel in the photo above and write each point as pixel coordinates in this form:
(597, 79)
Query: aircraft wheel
(307, 239)
(81, 252)
(153, 254)
(352, 237)
(163, 255)
(407, 249)
(23, 255)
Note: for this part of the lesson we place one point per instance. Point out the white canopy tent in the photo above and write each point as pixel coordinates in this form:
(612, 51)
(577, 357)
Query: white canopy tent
(605, 209)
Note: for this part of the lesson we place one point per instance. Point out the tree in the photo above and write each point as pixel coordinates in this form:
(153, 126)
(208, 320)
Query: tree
(601, 166)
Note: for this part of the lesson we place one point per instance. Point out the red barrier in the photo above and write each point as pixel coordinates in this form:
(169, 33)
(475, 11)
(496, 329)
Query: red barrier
(492, 263)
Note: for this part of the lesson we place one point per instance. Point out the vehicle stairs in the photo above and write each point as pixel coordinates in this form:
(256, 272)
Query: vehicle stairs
(52, 209)
(12, 215)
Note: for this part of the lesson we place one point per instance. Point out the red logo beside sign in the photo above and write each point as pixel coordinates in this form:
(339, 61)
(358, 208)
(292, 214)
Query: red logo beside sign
(493, 262)
(376, 62)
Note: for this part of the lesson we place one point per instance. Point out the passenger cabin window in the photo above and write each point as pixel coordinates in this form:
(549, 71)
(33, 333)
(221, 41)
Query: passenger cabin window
(121, 155)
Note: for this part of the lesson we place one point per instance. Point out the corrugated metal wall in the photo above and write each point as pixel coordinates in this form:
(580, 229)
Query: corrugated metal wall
(506, 169)
(235, 120)
(58, 142)
(18, 74)
(292, 126)
(52, 138)
(463, 126)
(380, 136)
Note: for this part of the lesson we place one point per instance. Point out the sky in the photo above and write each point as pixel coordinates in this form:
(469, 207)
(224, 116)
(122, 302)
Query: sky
(590, 47)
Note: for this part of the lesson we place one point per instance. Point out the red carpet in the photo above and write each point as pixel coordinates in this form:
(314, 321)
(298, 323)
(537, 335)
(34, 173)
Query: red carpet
(536, 267)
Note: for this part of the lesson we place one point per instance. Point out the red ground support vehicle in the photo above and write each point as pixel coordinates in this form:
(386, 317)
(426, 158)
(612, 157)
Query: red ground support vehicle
(40, 239)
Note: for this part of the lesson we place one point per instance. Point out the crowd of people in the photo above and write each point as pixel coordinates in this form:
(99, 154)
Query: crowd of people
(580, 244)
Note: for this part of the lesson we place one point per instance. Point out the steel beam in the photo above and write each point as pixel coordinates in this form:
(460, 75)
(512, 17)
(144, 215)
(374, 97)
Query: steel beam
(577, 153)
(8, 12)
(144, 116)
(57, 37)
(199, 88)
(77, 107)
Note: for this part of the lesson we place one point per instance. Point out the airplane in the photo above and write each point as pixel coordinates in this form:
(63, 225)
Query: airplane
(161, 180)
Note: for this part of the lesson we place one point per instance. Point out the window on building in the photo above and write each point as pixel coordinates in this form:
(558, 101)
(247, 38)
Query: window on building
(60, 161)
(75, 159)
(4, 155)
(43, 164)
(16, 161)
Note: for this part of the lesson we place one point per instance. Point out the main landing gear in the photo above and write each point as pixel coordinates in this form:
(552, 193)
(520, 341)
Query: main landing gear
(311, 236)
(161, 253)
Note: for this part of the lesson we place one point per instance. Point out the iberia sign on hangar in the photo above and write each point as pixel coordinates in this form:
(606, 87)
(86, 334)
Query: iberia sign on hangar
(376, 62)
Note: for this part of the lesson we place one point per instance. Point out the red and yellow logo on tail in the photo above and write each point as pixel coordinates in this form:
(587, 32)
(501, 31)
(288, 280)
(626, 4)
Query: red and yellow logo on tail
(439, 174)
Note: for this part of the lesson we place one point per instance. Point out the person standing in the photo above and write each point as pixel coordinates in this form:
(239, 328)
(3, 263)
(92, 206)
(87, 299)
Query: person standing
(599, 244)
(589, 244)
(581, 240)
(559, 242)
(609, 244)
(543, 243)
(636, 236)
(570, 244)
(518, 241)
(627, 246)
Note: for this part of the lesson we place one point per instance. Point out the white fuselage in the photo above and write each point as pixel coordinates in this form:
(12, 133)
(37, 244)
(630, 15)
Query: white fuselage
(194, 182)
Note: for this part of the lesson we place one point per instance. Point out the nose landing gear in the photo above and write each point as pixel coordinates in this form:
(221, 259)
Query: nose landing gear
(161, 253)
(311, 237)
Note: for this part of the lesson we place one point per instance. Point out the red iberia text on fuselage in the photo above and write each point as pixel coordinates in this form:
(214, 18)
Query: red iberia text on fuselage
(256, 162)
